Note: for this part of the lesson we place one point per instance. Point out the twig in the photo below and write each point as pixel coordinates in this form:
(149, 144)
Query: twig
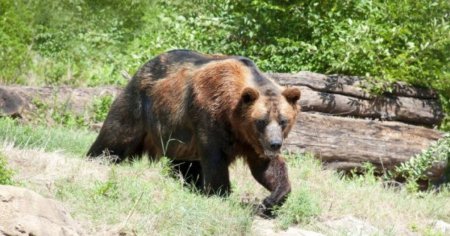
(125, 75)
(132, 210)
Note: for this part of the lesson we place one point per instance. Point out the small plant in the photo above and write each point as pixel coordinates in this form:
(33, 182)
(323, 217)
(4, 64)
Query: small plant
(5, 173)
(416, 168)
(165, 166)
(364, 175)
(101, 108)
(110, 188)
(57, 114)
(300, 207)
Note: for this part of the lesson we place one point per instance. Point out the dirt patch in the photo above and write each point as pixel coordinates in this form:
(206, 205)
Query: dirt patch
(41, 169)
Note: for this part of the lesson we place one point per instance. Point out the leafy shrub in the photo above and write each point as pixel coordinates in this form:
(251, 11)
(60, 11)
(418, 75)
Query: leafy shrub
(416, 168)
(385, 41)
(5, 173)
(101, 108)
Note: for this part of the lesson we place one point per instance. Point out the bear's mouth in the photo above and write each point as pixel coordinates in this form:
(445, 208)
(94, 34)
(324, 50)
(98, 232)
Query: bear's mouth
(272, 154)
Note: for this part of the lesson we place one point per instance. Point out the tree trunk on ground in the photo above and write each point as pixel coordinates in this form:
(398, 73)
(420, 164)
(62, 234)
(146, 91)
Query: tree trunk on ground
(346, 143)
(345, 96)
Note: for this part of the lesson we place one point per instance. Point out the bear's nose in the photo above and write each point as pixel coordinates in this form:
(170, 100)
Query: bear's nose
(275, 146)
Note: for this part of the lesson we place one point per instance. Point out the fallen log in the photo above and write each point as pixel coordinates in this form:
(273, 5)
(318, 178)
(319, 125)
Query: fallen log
(347, 85)
(336, 95)
(22, 100)
(346, 96)
(345, 143)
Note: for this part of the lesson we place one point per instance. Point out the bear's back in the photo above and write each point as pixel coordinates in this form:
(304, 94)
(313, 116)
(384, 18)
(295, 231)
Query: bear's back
(163, 65)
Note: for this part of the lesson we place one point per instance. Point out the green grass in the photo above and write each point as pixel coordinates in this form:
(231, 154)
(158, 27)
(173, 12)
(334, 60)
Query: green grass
(300, 208)
(142, 198)
(46, 138)
(158, 204)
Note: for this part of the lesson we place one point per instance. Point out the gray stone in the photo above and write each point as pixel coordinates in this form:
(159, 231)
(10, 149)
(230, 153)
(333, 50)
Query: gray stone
(24, 212)
(349, 225)
(266, 227)
(442, 227)
(11, 104)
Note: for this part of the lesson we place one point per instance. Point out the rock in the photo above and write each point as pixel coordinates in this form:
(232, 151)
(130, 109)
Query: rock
(265, 227)
(24, 212)
(442, 227)
(349, 225)
(11, 104)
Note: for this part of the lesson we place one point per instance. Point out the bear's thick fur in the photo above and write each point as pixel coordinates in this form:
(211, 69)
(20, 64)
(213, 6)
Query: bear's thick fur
(203, 111)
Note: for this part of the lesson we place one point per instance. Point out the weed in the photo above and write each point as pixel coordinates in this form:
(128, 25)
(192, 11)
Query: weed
(101, 107)
(163, 205)
(6, 174)
(109, 188)
(300, 208)
(58, 114)
(160, 205)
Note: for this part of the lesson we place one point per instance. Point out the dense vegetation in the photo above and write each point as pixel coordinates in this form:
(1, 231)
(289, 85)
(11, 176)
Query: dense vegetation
(88, 43)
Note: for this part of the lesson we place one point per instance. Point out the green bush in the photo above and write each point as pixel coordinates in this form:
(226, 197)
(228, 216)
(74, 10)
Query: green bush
(87, 42)
(101, 108)
(5, 173)
(416, 168)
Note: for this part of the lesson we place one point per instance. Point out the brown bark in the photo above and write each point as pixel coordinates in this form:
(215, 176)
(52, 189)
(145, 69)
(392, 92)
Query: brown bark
(347, 85)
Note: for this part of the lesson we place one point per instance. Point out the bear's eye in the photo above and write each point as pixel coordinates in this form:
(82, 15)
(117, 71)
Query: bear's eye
(261, 124)
(283, 123)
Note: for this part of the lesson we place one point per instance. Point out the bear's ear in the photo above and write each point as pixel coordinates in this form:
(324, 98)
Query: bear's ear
(249, 95)
(292, 94)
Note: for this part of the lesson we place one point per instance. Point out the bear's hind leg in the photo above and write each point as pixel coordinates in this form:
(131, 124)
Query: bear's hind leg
(118, 140)
(191, 171)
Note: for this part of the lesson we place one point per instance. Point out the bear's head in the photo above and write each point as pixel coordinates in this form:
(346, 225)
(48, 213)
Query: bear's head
(266, 117)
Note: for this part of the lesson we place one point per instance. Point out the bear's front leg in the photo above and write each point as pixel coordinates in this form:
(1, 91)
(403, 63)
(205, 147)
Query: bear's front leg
(273, 175)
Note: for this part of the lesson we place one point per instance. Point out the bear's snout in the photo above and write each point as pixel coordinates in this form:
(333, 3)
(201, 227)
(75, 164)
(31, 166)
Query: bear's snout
(275, 146)
(274, 139)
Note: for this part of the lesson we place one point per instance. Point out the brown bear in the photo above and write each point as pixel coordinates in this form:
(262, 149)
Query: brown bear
(204, 111)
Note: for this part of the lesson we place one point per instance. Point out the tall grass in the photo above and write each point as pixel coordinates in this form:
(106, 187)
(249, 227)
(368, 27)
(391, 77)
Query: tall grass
(46, 138)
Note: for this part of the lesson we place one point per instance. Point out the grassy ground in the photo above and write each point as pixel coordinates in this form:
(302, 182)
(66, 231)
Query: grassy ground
(142, 198)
